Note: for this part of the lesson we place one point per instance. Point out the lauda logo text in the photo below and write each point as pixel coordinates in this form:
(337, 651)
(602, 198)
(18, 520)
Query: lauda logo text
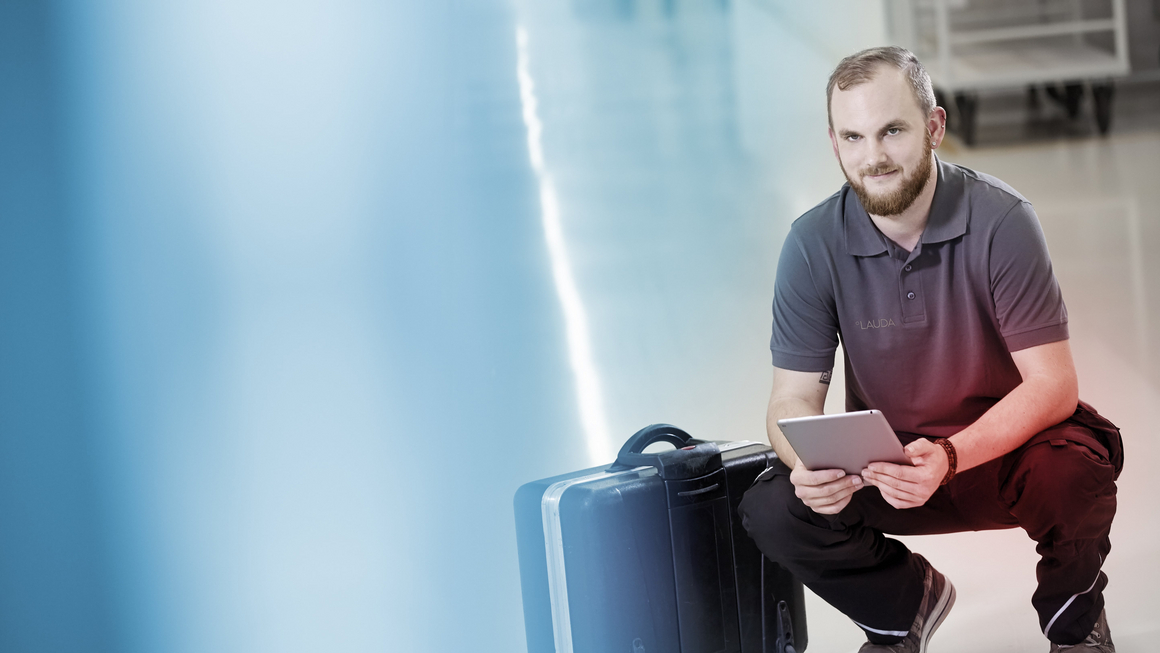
(876, 324)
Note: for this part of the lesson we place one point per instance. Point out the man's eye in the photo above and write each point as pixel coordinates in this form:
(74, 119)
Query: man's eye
(893, 131)
(853, 137)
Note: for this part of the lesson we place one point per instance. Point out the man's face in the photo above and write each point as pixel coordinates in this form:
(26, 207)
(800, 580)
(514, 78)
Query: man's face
(883, 141)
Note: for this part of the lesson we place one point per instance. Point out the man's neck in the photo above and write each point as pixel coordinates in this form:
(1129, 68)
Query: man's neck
(906, 228)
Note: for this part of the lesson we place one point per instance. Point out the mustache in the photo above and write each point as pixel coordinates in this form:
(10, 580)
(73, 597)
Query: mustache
(878, 171)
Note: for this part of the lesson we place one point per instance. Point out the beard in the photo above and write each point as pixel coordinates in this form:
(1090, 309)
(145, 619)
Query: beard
(896, 201)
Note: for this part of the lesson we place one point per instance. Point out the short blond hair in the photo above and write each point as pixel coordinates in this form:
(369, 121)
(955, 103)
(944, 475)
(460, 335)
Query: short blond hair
(860, 67)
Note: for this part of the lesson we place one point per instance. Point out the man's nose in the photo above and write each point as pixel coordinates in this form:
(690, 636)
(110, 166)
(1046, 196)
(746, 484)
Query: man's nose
(876, 157)
(877, 154)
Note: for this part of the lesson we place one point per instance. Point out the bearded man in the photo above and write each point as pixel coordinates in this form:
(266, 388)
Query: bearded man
(938, 282)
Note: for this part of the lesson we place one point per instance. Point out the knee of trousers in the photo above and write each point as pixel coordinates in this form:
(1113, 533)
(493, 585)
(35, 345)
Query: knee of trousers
(782, 526)
(1062, 491)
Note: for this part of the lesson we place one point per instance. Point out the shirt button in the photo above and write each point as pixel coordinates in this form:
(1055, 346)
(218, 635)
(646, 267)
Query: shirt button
(910, 295)
(907, 268)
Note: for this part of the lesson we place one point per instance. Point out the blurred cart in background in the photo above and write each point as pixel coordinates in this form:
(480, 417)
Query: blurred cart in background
(1061, 46)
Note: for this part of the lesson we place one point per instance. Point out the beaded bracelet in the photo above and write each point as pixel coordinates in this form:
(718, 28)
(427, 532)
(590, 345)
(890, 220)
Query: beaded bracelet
(952, 459)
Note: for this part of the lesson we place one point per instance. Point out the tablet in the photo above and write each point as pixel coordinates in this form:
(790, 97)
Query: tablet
(847, 441)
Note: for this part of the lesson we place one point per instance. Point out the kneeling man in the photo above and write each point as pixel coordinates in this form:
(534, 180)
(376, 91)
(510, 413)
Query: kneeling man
(938, 282)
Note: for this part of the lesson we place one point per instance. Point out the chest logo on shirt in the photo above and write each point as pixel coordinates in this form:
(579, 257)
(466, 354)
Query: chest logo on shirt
(876, 324)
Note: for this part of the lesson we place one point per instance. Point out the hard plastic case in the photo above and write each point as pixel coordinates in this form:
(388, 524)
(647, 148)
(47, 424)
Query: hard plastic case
(649, 555)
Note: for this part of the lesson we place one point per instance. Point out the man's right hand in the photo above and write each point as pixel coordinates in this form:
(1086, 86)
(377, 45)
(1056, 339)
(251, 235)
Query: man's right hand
(825, 491)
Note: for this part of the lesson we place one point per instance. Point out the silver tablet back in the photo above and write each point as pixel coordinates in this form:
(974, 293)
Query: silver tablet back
(847, 441)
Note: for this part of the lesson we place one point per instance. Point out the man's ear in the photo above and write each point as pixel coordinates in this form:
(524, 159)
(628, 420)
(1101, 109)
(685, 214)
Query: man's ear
(834, 143)
(937, 125)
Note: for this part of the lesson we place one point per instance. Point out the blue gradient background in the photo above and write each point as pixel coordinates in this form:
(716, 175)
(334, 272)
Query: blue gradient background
(274, 303)
(280, 329)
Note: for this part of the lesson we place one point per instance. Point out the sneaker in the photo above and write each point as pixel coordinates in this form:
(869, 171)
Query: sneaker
(1099, 640)
(938, 595)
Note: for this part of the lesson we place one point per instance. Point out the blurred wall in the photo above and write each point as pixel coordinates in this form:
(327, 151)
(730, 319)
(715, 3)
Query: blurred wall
(275, 299)
(783, 53)
(54, 578)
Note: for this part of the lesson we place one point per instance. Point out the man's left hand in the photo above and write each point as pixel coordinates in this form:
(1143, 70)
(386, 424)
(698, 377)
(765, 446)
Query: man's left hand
(910, 487)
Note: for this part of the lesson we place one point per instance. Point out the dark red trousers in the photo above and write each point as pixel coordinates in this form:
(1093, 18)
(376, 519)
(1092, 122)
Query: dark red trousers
(1059, 487)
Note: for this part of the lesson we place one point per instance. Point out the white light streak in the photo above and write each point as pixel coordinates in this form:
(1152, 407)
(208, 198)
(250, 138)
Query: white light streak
(600, 448)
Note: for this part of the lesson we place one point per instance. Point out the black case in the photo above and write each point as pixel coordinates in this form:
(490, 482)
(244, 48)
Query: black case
(648, 555)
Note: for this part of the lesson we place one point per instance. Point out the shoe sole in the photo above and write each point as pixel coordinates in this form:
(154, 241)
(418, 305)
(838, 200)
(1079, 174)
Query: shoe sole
(941, 609)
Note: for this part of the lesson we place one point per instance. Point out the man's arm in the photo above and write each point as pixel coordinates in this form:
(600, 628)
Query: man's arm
(800, 394)
(1047, 396)
(795, 394)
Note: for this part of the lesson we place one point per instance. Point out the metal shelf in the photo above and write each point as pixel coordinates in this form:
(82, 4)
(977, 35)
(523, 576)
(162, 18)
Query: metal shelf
(1031, 31)
(1009, 44)
(970, 46)
(1017, 66)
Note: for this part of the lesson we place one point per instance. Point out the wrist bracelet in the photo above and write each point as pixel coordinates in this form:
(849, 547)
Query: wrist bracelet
(952, 459)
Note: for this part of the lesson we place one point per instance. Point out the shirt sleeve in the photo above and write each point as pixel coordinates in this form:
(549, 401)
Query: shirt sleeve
(805, 323)
(1028, 302)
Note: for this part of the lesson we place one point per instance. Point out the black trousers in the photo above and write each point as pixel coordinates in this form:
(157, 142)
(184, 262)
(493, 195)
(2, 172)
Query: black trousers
(1059, 487)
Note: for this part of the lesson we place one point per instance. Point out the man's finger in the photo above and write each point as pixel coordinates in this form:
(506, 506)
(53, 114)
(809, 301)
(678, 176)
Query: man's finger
(915, 448)
(839, 495)
(828, 494)
(833, 504)
(900, 504)
(829, 489)
(919, 446)
(900, 491)
(896, 498)
(890, 496)
(832, 509)
(821, 476)
(903, 472)
(888, 480)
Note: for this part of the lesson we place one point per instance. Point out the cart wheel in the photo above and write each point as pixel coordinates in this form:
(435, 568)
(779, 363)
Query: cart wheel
(1102, 95)
(1073, 94)
(1069, 97)
(966, 103)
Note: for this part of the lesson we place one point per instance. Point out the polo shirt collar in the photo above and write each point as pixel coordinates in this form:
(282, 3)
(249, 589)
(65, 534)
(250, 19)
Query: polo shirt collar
(947, 220)
(949, 208)
(862, 237)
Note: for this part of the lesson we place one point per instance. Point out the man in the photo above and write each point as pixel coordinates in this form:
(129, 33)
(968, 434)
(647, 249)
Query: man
(938, 282)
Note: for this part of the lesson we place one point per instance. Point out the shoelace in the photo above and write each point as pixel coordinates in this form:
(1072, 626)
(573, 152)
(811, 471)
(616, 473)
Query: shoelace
(1093, 639)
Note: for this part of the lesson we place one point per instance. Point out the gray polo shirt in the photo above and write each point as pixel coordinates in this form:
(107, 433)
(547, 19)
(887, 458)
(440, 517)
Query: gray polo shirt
(927, 334)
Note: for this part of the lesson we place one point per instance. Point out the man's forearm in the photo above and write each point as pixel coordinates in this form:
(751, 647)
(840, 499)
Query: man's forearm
(1031, 407)
(794, 394)
(786, 408)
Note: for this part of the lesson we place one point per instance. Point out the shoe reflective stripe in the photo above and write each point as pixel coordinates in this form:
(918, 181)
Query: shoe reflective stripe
(935, 619)
(894, 633)
(1072, 599)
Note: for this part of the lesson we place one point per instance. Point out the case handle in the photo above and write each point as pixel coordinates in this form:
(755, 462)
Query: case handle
(692, 457)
